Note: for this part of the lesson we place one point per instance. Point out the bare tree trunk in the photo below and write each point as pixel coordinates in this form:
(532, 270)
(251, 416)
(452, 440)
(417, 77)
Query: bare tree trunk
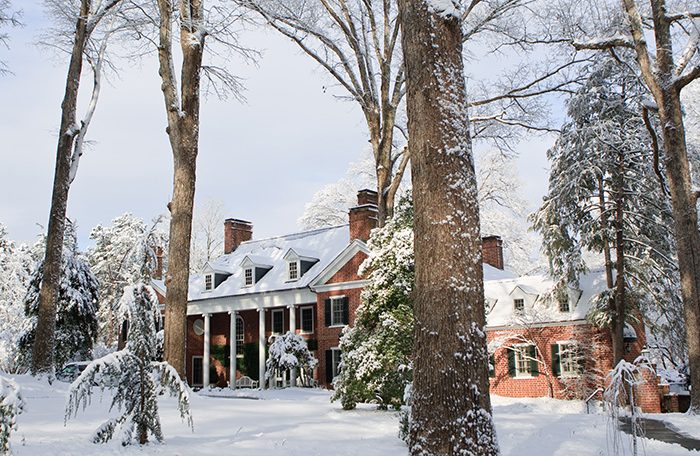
(183, 132)
(620, 308)
(451, 411)
(43, 349)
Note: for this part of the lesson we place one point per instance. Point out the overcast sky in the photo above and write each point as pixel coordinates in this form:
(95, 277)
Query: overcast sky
(264, 159)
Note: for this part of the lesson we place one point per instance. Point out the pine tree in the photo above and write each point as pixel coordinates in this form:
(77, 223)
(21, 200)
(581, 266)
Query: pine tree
(11, 405)
(76, 312)
(136, 380)
(605, 197)
(376, 352)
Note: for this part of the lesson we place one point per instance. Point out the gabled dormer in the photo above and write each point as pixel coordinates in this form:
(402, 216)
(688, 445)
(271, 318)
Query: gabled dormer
(254, 269)
(522, 296)
(213, 277)
(298, 263)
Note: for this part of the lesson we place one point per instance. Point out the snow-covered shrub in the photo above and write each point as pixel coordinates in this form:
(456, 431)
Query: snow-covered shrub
(76, 308)
(376, 352)
(11, 405)
(289, 351)
(135, 379)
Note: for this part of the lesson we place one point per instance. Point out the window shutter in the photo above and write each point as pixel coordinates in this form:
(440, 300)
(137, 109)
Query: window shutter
(511, 362)
(328, 311)
(329, 367)
(534, 365)
(492, 366)
(346, 311)
(556, 365)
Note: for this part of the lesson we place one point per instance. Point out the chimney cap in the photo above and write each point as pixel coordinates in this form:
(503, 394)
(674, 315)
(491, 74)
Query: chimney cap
(367, 190)
(234, 220)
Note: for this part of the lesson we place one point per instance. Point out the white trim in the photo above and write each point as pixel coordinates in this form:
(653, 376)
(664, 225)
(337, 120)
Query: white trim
(527, 374)
(539, 325)
(341, 286)
(339, 261)
(252, 276)
(563, 374)
(272, 321)
(253, 301)
(212, 277)
(301, 319)
(336, 299)
(340, 355)
(289, 270)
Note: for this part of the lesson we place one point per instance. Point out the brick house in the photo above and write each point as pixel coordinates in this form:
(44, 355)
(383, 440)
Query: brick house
(308, 283)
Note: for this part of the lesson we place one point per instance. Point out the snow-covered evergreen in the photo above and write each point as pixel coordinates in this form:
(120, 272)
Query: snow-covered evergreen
(135, 379)
(76, 309)
(289, 351)
(376, 352)
(11, 405)
(117, 259)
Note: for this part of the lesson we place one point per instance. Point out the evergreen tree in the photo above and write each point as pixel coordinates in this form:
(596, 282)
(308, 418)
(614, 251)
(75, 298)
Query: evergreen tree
(11, 405)
(605, 196)
(376, 352)
(136, 380)
(76, 315)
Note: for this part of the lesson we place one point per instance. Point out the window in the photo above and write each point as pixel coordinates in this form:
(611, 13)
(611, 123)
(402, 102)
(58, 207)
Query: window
(198, 326)
(564, 304)
(307, 319)
(248, 276)
(522, 361)
(197, 371)
(277, 321)
(566, 359)
(293, 270)
(240, 333)
(518, 305)
(209, 282)
(336, 311)
(332, 364)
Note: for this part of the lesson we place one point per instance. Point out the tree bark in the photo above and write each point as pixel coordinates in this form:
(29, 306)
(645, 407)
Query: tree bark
(451, 412)
(183, 132)
(619, 311)
(665, 86)
(44, 342)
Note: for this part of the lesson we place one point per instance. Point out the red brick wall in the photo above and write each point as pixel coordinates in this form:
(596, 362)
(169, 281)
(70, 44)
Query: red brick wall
(362, 220)
(330, 337)
(348, 273)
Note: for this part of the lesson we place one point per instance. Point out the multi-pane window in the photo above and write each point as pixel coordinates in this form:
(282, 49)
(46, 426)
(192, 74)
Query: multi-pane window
(307, 319)
(208, 282)
(335, 369)
(277, 321)
(240, 333)
(248, 272)
(338, 311)
(293, 270)
(518, 305)
(524, 357)
(564, 305)
(568, 359)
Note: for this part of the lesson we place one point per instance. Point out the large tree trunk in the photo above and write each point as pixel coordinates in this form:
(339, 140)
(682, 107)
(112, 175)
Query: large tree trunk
(43, 349)
(183, 132)
(619, 311)
(451, 411)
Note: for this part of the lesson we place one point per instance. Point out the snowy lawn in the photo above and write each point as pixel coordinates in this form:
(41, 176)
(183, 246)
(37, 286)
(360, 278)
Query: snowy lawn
(303, 422)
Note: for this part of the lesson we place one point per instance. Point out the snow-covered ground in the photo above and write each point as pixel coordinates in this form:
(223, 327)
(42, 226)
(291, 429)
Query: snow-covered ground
(304, 422)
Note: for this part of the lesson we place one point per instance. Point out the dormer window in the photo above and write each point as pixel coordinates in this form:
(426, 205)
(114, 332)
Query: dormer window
(293, 270)
(248, 277)
(518, 305)
(209, 282)
(254, 269)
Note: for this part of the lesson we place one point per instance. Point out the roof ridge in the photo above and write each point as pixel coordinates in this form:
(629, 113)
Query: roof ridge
(300, 233)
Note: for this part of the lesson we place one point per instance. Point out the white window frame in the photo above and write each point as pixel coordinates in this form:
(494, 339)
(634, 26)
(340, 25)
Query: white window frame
(208, 282)
(247, 271)
(202, 361)
(518, 359)
(301, 319)
(335, 360)
(334, 300)
(515, 305)
(576, 368)
(240, 337)
(297, 270)
(272, 321)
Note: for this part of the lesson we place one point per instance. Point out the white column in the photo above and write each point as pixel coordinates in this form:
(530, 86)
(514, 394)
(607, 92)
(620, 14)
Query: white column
(232, 350)
(293, 329)
(261, 348)
(207, 348)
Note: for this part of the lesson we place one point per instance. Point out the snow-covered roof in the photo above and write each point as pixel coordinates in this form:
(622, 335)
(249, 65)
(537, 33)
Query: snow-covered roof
(323, 244)
(537, 309)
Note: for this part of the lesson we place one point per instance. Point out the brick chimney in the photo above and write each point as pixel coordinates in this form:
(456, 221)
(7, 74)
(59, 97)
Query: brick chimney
(158, 273)
(492, 250)
(364, 216)
(235, 232)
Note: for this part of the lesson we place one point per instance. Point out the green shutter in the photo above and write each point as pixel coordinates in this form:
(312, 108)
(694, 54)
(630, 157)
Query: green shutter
(329, 367)
(492, 366)
(511, 361)
(534, 365)
(328, 311)
(346, 311)
(556, 364)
